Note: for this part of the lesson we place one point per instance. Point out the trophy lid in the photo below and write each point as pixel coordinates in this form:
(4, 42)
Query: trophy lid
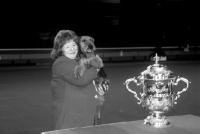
(156, 72)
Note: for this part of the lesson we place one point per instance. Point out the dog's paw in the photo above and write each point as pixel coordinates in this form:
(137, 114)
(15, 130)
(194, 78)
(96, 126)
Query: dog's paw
(96, 62)
(79, 71)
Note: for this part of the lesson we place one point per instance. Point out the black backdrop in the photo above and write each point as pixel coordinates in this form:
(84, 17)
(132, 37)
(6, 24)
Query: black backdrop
(160, 22)
(141, 23)
(24, 23)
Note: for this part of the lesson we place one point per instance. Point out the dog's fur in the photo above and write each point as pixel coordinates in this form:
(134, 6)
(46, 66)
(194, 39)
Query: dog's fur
(88, 59)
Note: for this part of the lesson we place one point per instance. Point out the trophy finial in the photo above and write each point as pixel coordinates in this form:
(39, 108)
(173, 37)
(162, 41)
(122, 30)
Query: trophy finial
(156, 59)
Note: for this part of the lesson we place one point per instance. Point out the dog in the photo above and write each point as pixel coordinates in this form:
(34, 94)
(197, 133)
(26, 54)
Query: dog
(90, 59)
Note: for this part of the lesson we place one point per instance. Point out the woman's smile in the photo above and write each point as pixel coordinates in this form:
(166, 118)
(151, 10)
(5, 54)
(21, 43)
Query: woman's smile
(70, 50)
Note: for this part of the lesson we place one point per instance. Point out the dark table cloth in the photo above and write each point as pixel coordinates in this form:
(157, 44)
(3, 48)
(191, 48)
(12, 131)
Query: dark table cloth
(184, 124)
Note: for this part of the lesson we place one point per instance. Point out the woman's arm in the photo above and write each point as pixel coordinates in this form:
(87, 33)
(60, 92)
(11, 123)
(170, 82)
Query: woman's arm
(66, 71)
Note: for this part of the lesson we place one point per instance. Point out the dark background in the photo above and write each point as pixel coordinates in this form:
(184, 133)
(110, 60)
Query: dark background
(112, 23)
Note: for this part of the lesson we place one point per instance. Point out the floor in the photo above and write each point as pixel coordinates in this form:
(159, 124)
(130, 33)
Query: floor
(25, 96)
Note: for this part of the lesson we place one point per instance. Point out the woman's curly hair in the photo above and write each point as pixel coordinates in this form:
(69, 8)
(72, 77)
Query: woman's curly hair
(62, 37)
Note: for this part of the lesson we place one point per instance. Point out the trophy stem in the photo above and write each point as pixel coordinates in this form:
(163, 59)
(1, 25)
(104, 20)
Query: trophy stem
(157, 120)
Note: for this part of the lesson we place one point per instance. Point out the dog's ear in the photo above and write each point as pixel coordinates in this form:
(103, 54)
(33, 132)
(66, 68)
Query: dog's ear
(91, 39)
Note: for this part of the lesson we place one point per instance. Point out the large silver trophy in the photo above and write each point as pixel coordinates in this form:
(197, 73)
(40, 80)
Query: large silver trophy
(157, 97)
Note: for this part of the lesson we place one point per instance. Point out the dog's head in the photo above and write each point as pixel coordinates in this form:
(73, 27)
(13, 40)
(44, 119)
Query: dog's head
(87, 44)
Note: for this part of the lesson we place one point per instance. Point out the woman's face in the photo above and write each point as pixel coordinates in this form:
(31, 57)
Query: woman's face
(70, 50)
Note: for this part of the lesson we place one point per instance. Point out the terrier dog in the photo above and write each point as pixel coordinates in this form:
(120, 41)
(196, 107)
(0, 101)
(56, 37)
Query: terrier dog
(90, 59)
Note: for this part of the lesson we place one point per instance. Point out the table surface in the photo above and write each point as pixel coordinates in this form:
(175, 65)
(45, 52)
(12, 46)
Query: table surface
(184, 124)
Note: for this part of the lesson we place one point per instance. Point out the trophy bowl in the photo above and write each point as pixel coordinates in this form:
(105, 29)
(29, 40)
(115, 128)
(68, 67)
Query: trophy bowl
(157, 94)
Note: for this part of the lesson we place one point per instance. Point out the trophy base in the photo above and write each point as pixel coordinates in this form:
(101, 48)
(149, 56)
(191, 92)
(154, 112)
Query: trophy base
(157, 120)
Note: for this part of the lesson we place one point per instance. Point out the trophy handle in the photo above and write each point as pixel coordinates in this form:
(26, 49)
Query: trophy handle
(184, 89)
(127, 86)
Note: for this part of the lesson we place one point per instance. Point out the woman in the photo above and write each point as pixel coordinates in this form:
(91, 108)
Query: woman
(74, 100)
